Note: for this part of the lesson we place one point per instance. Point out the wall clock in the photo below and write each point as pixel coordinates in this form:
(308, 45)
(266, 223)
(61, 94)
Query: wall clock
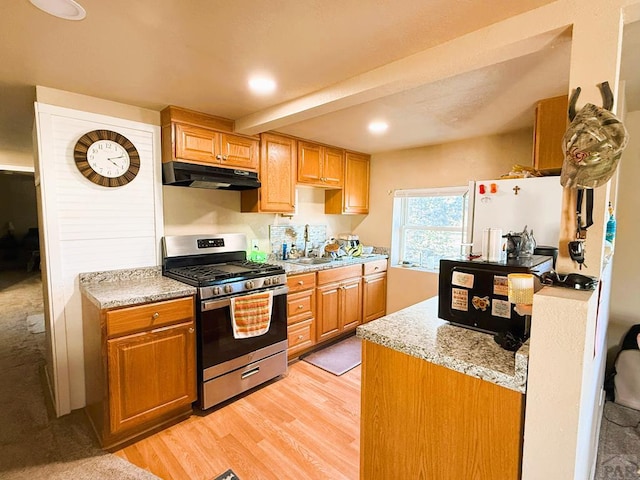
(106, 158)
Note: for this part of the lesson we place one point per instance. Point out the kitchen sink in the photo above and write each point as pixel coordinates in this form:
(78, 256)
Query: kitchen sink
(311, 260)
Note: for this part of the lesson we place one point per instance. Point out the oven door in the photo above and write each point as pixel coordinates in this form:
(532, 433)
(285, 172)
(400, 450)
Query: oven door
(219, 351)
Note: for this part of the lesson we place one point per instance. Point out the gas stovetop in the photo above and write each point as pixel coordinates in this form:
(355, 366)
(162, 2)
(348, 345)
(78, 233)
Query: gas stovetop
(217, 265)
(215, 274)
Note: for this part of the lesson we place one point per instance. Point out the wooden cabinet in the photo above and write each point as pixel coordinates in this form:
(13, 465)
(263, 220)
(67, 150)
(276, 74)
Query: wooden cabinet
(421, 420)
(320, 165)
(195, 137)
(141, 367)
(374, 290)
(277, 175)
(301, 308)
(550, 125)
(354, 197)
(338, 301)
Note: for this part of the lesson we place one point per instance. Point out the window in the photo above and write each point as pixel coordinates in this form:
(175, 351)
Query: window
(430, 224)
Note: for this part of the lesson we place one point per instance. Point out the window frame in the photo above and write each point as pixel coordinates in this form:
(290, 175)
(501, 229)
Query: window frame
(399, 224)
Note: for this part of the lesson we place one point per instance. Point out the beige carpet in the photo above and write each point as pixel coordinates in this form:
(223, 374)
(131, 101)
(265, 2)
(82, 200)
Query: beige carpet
(33, 443)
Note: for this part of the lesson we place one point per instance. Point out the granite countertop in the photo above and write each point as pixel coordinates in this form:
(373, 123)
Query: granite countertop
(291, 267)
(122, 288)
(417, 331)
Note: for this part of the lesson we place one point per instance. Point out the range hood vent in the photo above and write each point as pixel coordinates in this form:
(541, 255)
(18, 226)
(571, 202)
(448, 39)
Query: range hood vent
(204, 176)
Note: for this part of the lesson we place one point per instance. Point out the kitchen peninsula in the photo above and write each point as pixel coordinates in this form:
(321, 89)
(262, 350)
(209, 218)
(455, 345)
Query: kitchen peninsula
(439, 401)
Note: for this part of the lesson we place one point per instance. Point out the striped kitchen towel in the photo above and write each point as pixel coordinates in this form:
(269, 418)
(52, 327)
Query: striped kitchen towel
(251, 314)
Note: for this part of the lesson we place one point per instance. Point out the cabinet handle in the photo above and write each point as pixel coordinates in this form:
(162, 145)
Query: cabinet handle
(376, 268)
(300, 282)
(300, 307)
(155, 316)
(218, 157)
(191, 330)
(224, 157)
(300, 337)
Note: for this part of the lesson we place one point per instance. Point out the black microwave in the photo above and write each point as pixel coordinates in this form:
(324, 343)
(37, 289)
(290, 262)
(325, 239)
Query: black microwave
(474, 294)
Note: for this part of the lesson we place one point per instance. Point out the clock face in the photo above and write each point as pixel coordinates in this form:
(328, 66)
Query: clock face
(106, 158)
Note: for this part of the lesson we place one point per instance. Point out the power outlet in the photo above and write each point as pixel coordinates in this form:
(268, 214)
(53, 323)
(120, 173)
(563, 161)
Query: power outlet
(254, 245)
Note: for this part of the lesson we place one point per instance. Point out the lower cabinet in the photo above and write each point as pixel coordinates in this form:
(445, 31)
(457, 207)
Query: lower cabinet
(301, 308)
(374, 287)
(339, 301)
(421, 420)
(324, 305)
(140, 367)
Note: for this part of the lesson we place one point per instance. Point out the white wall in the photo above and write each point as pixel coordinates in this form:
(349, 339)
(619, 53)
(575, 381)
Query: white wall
(87, 227)
(445, 165)
(626, 259)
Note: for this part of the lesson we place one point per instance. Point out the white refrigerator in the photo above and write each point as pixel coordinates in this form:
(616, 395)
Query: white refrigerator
(511, 204)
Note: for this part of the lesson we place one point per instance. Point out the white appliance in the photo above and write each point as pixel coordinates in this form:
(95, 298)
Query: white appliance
(513, 203)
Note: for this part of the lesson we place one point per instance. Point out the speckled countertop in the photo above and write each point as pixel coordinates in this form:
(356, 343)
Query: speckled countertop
(417, 331)
(291, 267)
(121, 288)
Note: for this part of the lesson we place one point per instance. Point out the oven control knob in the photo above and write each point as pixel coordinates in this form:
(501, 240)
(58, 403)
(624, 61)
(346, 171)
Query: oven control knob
(275, 281)
(216, 290)
(267, 282)
(249, 284)
(228, 289)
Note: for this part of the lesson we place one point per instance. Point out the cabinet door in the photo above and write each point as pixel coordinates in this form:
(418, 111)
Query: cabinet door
(333, 167)
(150, 375)
(551, 123)
(354, 196)
(328, 311)
(277, 172)
(374, 301)
(238, 152)
(310, 158)
(356, 188)
(351, 304)
(197, 144)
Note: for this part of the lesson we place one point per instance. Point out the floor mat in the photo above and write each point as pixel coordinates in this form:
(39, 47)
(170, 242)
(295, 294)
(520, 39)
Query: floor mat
(338, 358)
(228, 475)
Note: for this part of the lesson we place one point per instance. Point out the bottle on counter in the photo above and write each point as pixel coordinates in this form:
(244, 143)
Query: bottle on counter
(611, 226)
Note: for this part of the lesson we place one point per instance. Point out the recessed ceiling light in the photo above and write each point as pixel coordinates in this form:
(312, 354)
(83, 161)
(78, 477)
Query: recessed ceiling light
(262, 85)
(378, 127)
(67, 9)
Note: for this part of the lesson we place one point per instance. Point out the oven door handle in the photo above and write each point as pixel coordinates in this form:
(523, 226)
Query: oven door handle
(225, 302)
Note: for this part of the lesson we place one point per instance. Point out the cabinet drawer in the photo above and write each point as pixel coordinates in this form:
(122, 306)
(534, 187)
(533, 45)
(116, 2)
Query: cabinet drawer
(149, 316)
(301, 335)
(376, 266)
(300, 306)
(304, 281)
(337, 274)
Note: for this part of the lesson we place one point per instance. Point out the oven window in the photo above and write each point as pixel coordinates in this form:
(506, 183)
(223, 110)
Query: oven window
(217, 344)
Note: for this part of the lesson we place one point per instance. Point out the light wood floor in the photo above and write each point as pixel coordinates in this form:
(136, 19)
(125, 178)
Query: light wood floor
(303, 426)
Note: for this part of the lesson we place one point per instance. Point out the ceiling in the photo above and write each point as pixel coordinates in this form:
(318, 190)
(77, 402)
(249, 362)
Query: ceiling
(199, 54)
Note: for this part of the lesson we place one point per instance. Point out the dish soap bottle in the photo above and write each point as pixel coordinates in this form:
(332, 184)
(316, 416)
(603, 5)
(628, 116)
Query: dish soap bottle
(611, 226)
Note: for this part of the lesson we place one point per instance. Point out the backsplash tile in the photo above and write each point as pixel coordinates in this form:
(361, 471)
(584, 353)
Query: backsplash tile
(294, 235)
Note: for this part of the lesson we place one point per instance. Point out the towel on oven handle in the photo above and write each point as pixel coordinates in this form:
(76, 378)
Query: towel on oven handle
(251, 314)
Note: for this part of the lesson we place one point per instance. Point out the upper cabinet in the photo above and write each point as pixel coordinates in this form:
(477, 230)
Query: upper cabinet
(204, 139)
(354, 197)
(319, 165)
(277, 175)
(550, 126)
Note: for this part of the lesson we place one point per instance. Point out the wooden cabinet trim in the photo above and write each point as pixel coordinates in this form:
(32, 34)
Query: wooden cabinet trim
(190, 117)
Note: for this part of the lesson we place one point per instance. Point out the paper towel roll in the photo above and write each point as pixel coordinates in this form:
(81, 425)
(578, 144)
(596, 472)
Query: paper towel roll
(492, 244)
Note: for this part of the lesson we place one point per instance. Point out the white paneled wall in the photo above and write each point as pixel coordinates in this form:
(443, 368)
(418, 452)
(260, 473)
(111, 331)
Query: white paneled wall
(88, 228)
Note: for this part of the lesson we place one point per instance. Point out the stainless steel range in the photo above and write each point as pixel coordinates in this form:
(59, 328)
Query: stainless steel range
(216, 264)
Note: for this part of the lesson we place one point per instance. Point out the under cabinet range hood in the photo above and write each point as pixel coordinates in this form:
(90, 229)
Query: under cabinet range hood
(207, 176)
